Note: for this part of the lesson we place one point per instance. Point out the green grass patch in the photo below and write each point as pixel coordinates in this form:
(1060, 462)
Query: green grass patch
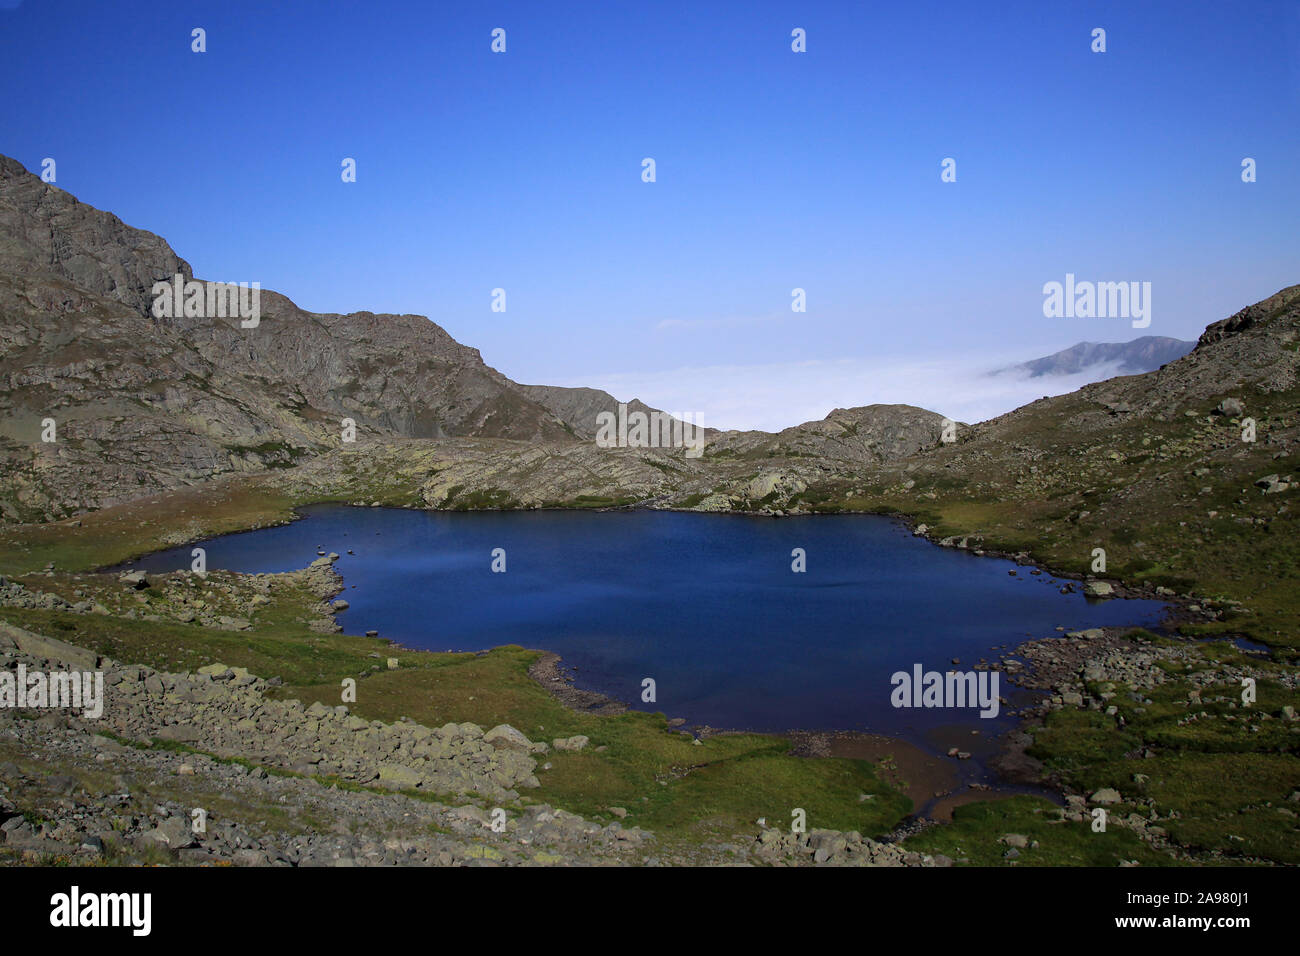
(976, 829)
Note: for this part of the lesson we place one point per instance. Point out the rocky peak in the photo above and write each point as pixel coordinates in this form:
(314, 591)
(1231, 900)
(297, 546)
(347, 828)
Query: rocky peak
(44, 230)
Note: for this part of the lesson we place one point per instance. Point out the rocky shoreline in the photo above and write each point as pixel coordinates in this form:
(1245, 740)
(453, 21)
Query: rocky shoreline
(549, 672)
(1105, 670)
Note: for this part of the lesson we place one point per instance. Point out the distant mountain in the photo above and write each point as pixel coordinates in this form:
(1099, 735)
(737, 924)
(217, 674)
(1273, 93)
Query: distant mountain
(1127, 358)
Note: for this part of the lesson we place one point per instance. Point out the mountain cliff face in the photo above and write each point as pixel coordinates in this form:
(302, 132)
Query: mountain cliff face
(46, 233)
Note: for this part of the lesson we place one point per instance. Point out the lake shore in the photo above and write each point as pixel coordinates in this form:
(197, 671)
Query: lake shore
(1075, 710)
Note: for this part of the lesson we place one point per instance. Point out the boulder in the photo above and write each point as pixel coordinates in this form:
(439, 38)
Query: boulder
(1272, 484)
(505, 737)
(136, 579)
(179, 733)
(397, 777)
(174, 833)
(50, 648)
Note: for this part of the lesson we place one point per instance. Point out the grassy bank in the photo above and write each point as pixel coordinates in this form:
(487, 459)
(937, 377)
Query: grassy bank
(716, 789)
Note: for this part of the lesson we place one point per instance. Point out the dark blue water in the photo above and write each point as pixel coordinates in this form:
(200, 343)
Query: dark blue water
(706, 605)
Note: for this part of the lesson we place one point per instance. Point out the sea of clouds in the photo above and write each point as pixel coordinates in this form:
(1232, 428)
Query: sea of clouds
(777, 395)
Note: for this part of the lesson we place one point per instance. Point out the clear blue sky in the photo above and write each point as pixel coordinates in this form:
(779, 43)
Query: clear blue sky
(775, 169)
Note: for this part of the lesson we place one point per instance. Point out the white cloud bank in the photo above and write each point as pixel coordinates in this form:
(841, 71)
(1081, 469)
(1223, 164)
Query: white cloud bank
(777, 395)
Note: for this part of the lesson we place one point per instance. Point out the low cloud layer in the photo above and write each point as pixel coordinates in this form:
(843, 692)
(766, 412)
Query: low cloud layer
(775, 396)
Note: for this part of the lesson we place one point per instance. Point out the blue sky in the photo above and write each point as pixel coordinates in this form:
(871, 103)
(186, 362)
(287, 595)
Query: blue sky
(775, 170)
